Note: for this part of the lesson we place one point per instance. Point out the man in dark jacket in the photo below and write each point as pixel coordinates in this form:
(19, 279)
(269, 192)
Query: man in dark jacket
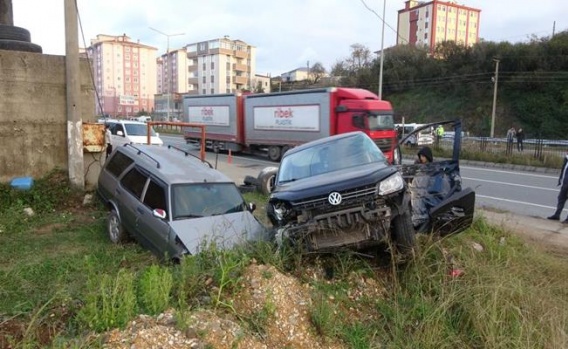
(563, 195)
(424, 156)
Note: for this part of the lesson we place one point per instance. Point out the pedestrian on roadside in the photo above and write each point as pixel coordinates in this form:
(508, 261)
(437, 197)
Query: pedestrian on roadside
(510, 137)
(439, 134)
(520, 137)
(563, 194)
(107, 140)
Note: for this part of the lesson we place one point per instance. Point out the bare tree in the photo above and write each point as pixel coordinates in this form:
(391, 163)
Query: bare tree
(317, 71)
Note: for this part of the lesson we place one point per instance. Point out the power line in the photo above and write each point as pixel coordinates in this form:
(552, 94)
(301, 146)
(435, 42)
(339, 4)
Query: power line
(382, 20)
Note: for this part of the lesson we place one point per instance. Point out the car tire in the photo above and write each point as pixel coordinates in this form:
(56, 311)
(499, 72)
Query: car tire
(403, 234)
(115, 230)
(266, 179)
(10, 32)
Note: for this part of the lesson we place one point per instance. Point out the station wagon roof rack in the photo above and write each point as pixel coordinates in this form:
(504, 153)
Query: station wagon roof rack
(189, 154)
(140, 151)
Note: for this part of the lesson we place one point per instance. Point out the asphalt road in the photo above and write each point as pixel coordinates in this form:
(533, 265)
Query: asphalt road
(522, 193)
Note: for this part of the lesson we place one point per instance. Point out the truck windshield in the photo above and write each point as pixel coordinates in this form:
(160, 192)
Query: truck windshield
(380, 121)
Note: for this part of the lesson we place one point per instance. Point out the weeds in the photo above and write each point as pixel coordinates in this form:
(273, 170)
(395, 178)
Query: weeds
(154, 287)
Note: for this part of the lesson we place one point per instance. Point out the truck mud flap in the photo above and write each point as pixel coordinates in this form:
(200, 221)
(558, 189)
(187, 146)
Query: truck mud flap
(453, 215)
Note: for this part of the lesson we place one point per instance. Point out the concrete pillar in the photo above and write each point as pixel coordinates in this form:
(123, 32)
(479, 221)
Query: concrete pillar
(6, 13)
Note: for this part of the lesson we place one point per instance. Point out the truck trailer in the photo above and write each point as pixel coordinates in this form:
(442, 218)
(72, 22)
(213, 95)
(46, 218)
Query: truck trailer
(275, 122)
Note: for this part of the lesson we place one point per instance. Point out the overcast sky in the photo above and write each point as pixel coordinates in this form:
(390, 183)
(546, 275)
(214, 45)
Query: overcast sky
(286, 33)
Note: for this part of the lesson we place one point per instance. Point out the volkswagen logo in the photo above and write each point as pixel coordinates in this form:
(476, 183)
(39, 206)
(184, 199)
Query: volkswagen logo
(334, 198)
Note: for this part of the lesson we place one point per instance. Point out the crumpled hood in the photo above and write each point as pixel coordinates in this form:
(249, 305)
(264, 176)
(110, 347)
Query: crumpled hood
(337, 181)
(224, 230)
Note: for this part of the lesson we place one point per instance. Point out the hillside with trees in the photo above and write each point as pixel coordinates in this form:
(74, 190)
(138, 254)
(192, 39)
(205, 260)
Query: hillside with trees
(458, 82)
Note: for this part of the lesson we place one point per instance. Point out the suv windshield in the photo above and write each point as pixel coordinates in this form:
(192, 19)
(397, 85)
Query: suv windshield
(205, 199)
(138, 130)
(380, 121)
(342, 153)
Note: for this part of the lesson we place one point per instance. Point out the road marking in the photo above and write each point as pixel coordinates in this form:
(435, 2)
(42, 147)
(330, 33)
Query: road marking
(514, 201)
(511, 184)
(508, 172)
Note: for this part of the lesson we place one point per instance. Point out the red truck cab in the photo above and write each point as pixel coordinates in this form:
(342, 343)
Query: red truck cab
(361, 110)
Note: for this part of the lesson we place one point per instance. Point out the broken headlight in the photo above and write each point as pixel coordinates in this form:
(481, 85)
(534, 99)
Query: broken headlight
(280, 210)
(392, 184)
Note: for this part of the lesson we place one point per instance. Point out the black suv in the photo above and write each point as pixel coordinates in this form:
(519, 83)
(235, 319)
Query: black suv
(340, 191)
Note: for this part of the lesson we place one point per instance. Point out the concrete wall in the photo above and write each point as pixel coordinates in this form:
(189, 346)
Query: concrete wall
(33, 117)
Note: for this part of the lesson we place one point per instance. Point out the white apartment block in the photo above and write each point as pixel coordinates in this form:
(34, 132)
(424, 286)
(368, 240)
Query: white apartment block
(427, 23)
(124, 74)
(220, 66)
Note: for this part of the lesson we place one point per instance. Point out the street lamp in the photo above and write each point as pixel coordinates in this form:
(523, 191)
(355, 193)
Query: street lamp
(169, 66)
(382, 53)
(495, 80)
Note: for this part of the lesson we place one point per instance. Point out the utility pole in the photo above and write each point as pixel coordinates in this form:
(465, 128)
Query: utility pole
(495, 82)
(382, 53)
(553, 28)
(169, 70)
(73, 88)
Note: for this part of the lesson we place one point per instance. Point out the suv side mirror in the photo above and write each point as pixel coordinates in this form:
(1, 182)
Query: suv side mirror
(159, 213)
(120, 133)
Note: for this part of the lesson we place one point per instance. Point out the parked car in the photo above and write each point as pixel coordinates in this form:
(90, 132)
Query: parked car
(134, 132)
(172, 203)
(341, 192)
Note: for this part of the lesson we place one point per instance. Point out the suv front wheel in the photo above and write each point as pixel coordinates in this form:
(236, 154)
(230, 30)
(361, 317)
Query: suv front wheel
(403, 234)
(115, 230)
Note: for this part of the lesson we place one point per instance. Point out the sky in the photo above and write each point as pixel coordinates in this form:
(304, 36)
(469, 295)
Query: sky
(287, 34)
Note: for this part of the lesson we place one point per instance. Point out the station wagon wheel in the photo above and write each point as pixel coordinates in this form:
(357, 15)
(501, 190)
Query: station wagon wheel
(115, 230)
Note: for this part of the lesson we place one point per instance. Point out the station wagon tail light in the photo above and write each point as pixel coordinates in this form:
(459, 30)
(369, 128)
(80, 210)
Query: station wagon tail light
(392, 184)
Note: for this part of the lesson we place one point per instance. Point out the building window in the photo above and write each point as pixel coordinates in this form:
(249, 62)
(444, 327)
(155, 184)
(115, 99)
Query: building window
(212, 91)
(228, 66)
(204, 91)
(212, 65)
(204, 66)
(204, 79)
(212, 79)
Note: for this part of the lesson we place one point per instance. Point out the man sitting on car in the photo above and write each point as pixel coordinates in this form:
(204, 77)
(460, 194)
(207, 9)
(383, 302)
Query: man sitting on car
(424, 156)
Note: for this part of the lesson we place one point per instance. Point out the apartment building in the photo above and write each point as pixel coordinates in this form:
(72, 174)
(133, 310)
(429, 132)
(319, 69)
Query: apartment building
(220, 66)
(298, 74)
(124, 74)
(172, 80)
(261, 83)
(427, 23)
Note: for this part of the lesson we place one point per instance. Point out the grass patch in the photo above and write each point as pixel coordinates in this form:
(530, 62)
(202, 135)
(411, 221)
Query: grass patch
(61, 278)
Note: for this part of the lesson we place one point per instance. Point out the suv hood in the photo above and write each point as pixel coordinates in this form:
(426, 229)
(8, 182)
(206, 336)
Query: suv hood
(224, 231)
(144, 140)
(348, 178)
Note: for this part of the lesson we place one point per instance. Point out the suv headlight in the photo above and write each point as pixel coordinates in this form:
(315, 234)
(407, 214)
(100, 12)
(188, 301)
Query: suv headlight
(392, 184)
(280, 210)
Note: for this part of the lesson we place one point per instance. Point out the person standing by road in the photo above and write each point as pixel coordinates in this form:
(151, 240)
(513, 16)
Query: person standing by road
(510, 137)
(563, 194)
(439, 134)
(107, 140)
(520, 137)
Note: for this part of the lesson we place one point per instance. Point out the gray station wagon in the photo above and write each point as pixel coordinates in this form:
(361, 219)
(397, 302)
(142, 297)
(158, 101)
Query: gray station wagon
(173, 203)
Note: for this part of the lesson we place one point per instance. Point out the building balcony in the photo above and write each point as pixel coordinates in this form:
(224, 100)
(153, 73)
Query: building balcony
(193, 81)
(240, 54)
(240, 67)
(192, 68)
(242, 80)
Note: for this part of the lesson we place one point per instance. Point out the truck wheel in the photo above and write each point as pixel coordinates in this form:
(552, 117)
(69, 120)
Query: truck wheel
(115, 230)
(396, 156)
(274, 153)
(266, 179)
(403, 234)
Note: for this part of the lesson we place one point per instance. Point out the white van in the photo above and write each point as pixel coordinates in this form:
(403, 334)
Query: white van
(425, 137)
(134, 132)
(144, 118)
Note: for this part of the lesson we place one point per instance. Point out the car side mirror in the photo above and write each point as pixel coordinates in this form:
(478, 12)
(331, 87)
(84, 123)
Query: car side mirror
(159, 213)
(251, 206)
(120, 133)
